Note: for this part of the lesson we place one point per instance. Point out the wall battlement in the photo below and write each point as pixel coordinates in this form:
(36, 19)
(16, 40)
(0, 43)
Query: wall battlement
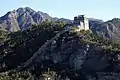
(81, 22)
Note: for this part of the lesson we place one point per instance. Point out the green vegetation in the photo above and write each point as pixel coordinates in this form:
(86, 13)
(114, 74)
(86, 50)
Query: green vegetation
(18, 76)
(90, 38)
(3, 35)
(18, 47)
(21, 45)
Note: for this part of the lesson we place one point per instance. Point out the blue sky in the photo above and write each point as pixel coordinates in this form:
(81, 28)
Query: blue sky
(101, 9)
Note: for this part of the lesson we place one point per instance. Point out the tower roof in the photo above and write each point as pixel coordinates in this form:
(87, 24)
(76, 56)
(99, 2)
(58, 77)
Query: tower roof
(80, 15)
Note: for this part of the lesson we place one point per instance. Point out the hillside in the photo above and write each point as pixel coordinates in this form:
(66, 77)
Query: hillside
(66, 53)
(109, 29)
(21, 45)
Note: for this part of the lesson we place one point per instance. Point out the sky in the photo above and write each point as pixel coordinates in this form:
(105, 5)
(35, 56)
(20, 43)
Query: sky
(100, 9)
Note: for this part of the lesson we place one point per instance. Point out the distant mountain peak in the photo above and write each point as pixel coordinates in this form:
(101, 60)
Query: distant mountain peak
(23, 10)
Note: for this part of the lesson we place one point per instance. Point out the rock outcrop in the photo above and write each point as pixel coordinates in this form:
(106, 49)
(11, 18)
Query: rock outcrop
(109, 29)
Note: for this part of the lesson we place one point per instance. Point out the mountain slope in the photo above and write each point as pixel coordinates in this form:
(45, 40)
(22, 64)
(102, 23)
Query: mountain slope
(72, 53)
(22, 19)
(109, 29)
(9, 21)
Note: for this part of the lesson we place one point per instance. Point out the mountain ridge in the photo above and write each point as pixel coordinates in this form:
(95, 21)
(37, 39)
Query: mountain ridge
(24, 18)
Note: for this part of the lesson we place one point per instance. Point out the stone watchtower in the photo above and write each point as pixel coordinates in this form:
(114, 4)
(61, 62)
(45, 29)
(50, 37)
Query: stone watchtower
(81, 22)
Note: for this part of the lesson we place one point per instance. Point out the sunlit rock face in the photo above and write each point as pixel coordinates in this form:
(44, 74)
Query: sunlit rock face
(9, 21)
(22, 19)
